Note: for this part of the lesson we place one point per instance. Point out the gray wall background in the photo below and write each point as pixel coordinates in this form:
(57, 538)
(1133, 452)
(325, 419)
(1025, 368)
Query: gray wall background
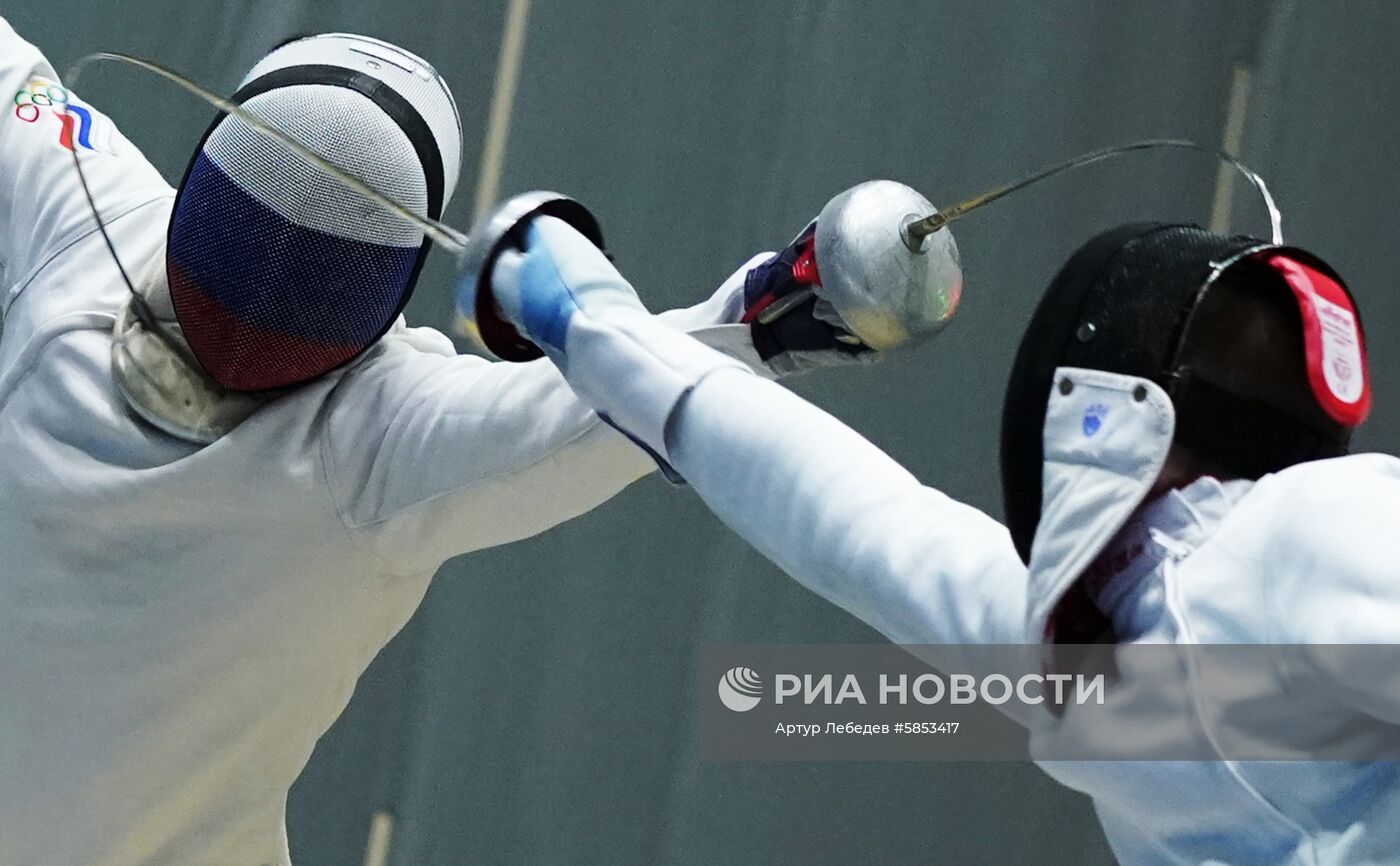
(540, 706)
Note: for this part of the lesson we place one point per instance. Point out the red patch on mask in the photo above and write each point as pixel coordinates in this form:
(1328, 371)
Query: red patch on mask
(1332, 343)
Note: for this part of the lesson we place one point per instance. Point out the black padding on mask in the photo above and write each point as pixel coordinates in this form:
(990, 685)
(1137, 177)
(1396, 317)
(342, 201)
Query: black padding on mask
(1248, 438)
(1140, 304)
(1239, 379)
(1131, 301)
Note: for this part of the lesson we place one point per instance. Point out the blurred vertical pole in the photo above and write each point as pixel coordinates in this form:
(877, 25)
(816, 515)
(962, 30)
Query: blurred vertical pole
(420, 779)
(1236, 112)
(1268, 26)
(381, 831)
(493, 153)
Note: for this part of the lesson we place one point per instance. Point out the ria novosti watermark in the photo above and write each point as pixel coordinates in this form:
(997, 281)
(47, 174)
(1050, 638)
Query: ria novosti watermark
(741, 689)
(1099, 702)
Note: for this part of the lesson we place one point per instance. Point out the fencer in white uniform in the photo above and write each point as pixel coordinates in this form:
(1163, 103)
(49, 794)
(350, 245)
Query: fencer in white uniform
(1181, 403)
(223, 496)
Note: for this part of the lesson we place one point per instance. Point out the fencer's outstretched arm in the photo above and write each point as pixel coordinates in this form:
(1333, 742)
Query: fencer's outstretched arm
(427, 454)
(430, 454)
(810, 493)
(842, 517)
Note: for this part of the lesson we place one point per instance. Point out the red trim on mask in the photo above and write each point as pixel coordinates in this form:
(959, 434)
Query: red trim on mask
(1332, 343)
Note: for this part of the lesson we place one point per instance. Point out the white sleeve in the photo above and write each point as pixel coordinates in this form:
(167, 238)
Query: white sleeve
(1332, 582)
(811, 494)
(431, 455)
(42, 207)
(844, 519)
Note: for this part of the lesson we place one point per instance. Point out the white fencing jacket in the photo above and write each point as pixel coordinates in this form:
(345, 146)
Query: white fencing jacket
(1303, 557)
(179, 624)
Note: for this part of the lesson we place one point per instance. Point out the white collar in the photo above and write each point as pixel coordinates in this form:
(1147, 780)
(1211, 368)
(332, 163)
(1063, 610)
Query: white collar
(1172, 525)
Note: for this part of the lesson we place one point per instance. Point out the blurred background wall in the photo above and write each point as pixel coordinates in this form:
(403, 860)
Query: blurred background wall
(540, 708)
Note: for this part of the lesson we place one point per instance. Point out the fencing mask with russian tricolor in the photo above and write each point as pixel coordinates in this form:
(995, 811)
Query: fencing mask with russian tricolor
(278, 271)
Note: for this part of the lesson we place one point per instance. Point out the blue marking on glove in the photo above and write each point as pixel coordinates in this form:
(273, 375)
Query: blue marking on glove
(546, 304)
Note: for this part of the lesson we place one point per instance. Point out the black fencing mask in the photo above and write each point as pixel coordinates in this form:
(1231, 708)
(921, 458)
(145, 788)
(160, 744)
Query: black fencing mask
(1259, 346)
